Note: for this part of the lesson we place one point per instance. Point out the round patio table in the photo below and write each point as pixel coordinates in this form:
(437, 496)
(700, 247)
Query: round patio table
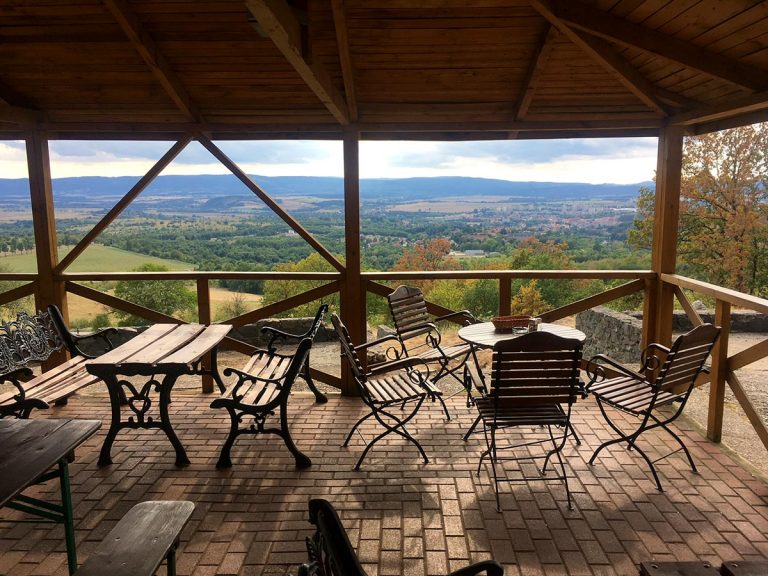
(485, 335)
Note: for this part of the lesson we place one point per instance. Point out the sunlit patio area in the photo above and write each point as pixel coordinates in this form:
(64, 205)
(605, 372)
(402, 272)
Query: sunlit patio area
(403, 516)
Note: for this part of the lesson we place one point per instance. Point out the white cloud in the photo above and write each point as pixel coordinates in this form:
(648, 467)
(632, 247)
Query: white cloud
(626, 160)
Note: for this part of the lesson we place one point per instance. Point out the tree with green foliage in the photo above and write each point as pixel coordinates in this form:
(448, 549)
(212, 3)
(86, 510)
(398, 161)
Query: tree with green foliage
(167, 296)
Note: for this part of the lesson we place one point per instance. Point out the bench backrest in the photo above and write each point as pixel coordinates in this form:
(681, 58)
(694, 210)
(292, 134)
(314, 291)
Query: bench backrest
(329, 548)
(27, 339)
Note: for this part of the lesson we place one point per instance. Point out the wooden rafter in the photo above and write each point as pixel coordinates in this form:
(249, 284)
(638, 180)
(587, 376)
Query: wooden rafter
(345, 56)
(267, 199)
(712, 113)
(118, 208)
(147, 48)
(594, 21)
(534, 72)
(277, 19)
(602, 53)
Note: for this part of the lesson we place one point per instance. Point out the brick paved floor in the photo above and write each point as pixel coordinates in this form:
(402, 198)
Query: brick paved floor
(403, 517)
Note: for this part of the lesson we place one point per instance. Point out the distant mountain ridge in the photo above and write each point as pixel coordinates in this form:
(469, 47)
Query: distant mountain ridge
(91, 191)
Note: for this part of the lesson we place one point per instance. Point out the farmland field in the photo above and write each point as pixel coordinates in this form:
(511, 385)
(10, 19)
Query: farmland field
(96, 258)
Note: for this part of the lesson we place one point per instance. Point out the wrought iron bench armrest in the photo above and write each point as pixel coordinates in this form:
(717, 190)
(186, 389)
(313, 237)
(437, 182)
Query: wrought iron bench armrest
(19, 405)
(400, 364)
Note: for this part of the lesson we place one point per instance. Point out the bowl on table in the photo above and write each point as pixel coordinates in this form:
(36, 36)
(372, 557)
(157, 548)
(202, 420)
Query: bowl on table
(516, 323)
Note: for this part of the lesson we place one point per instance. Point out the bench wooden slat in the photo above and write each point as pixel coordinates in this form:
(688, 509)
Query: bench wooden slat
(56, 383)
(140, 541)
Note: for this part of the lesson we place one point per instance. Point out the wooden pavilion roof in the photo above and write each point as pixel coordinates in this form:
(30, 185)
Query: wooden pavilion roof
(436, 69)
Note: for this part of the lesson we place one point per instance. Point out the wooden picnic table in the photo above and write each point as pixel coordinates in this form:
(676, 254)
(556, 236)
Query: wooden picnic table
(162, 353)
(35, 451)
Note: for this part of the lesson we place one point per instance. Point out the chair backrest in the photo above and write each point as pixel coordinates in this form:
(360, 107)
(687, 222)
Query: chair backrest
(686, 358)
(348, 348)
(329, 548)
(536, 368)
(409, 311)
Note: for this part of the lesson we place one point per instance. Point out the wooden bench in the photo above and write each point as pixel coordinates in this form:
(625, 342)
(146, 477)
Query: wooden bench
(144, 537)
(331, 553)
(264, 386)
(33, 339)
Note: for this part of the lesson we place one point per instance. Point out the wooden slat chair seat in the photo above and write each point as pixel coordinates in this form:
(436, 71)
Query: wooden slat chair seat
(384, 387)
(667, 377)
(420, 338)
(330, 552)
(535, 382)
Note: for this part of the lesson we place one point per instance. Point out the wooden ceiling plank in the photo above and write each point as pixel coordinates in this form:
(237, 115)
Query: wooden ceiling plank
(601, 52)
(345, 56)
(278, 21)
(592, 21)
(148, 50)
(538, 64)
(735, 107)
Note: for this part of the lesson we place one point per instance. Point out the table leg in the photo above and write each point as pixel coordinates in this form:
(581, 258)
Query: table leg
(116, 400)
(215, 369)
(165, 421)
(69, 522)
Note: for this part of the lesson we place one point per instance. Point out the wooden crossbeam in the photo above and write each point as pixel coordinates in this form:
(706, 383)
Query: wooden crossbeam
(606, 56)
(594, 300)
(749, 409)
(150, 53)
(538, 64)
(690, 311)
(345, 56)
(748, 355)
(118, 208)
(284, 305)
(594, 21)
(278, 20)
(743, 105)
(18, 292)
(274, 206)
(120, 304)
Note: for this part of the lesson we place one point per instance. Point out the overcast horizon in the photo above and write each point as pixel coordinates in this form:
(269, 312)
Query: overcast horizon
(592, 161)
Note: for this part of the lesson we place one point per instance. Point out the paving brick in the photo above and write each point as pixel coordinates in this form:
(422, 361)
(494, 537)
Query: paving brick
(403, 517)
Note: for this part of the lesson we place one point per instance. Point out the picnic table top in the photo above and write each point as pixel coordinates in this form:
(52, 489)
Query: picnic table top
(29, 448)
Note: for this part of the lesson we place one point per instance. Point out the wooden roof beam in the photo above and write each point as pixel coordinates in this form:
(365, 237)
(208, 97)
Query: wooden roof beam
(534, 73)
(16, 108)
(594, 21)
(278, 21)
(345, 56)
(148, 50)
(602, 53)
(736, 107)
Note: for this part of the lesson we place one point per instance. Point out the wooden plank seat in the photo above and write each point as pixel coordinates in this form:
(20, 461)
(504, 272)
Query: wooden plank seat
(667, 376)
(33, 339)
(143, 538)
(330, 552)
(263, 386)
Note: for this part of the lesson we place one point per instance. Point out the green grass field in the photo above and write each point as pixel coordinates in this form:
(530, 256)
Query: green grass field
(96, 258)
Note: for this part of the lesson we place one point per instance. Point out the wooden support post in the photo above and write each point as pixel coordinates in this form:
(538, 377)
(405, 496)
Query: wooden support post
(204, 317)
(50, 290)
(353, 312)
(719, 372)
(667, 215)
(505, 296)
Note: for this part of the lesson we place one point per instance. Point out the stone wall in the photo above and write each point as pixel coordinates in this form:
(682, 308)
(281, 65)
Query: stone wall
(741, 320)
(612, 333)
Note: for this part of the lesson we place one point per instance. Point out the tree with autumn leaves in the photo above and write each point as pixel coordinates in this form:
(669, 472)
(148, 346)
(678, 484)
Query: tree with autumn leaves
(723, 236)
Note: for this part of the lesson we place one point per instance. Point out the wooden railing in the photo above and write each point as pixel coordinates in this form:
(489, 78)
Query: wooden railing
(723, 366)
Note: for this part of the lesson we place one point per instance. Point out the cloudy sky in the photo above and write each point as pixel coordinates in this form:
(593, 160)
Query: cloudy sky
(601, 160)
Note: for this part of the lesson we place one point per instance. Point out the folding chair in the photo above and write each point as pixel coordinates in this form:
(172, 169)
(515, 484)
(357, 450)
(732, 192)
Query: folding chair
(385, 386)
(534, 382)
(667, 377)
(420, 338)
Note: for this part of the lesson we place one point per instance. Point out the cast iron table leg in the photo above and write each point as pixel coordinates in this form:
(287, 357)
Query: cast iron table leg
(115, 400)
(165, 421)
